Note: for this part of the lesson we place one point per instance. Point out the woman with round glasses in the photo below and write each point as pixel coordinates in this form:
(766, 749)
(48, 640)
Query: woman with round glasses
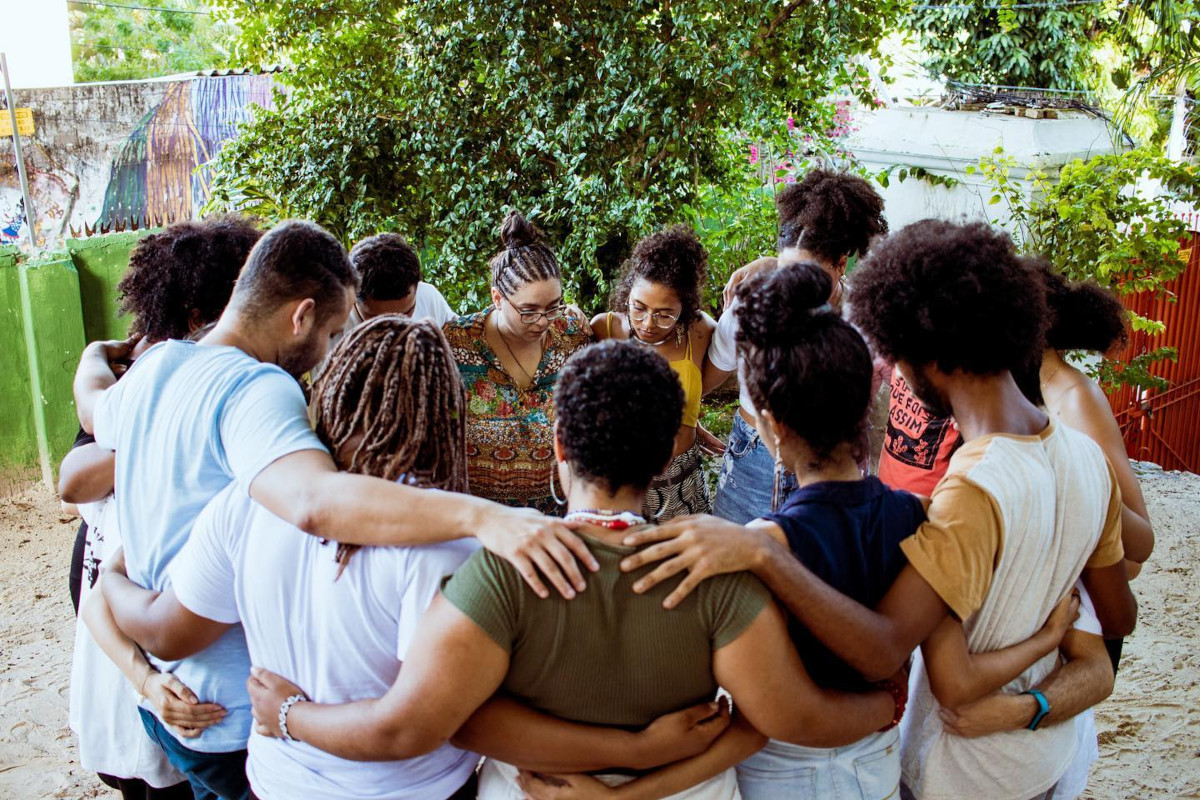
(509, 356)
(657, 303)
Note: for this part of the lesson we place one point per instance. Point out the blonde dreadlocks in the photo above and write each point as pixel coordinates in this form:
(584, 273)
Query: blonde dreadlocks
(392, 384)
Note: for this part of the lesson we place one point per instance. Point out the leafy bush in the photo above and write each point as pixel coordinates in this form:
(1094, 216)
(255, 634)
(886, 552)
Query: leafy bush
(1108, 218)
(600, 121)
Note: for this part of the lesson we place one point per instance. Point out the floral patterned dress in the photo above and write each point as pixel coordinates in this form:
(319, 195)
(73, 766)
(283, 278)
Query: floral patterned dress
(510, 431)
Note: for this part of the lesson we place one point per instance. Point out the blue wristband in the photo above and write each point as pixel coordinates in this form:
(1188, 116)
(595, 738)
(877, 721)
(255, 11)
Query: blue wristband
(1043, 708)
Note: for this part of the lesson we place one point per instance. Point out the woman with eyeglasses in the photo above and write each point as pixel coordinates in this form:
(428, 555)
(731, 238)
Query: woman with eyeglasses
(509, 356)
(657, 304)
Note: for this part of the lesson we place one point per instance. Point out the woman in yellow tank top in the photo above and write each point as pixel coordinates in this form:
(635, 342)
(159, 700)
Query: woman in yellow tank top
(656, 302)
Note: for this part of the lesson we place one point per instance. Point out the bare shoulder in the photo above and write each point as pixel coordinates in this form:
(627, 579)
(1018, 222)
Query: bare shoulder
(610, 325)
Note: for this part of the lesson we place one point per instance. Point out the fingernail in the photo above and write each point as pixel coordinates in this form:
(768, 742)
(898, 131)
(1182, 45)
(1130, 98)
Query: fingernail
(580, 586)
(637, 587)
(570, 594)
(595, 565)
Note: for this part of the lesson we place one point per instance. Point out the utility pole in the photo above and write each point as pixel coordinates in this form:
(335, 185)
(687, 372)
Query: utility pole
(16, 137)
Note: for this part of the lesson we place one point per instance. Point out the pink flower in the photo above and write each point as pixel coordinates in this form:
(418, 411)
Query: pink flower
(753, 154)
(791, 123)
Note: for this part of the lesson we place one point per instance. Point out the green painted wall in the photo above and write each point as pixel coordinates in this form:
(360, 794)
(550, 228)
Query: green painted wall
(18, 439)
(101, 262)
(50, 306)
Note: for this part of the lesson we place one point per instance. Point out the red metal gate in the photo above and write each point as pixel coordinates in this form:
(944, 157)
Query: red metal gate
(1164, 427)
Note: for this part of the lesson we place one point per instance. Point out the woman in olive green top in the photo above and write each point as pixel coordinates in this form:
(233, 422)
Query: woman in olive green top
(609, 657)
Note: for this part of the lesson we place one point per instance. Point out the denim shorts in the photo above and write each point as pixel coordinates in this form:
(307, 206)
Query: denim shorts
(869, 769)
(747, 477)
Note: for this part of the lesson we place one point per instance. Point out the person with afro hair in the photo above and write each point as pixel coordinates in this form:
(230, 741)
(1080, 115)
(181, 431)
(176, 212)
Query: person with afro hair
(656, 303)
(829, 218)
(178, 282)
(181, 279)
(959, 312)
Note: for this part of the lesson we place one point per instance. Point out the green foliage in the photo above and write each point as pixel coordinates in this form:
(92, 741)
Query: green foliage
(1045, 47)
(1107, 218)
(114, 43)
(601, 121)
(716, 417)
(905, 171)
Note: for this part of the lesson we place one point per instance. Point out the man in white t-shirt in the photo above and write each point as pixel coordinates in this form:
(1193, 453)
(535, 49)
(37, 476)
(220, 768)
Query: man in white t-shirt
(188, 419)
(389, 274)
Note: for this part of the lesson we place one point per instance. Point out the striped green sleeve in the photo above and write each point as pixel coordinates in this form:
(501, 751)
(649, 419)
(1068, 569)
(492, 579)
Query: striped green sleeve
(730, 603)
(485, 590)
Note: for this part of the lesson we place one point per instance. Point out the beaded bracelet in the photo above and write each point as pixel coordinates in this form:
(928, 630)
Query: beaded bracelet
(284, 708)
(899, 697)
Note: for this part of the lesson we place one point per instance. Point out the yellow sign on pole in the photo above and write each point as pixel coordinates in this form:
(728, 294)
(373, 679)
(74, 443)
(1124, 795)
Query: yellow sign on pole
(24, 122)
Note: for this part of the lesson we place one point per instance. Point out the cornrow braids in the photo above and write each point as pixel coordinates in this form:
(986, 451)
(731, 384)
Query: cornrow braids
(525, 259)
(393, 384)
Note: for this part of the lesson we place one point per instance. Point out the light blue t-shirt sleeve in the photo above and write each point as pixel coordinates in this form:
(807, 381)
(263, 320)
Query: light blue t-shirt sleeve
(106, 416)
(264, 420)
(722, 350)
(203, 574)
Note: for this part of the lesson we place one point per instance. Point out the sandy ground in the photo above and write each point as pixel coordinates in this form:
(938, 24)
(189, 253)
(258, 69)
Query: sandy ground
(1149, 728)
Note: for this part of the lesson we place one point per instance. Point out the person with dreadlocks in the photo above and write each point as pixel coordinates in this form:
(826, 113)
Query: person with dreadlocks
(657, 304)
(509, 356)
(177, 282)
(389, 405)
(829, 218)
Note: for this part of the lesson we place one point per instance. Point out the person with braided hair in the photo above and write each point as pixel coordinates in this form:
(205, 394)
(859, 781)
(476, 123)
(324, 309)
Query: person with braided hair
(389, 405)
(829, 218)
(509, 356)
(656, 303)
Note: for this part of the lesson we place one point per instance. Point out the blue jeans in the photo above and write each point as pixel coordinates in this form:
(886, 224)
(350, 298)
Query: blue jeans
(869, 769)
(747, 477)
(212, 775)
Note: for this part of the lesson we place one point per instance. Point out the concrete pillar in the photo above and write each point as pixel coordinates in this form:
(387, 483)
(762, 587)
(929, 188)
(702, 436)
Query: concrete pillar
(54, 340)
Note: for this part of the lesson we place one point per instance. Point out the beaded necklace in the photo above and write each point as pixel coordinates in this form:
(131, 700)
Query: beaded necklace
(604, 518)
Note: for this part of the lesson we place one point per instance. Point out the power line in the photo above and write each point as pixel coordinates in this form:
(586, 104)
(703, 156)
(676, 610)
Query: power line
(138, 8)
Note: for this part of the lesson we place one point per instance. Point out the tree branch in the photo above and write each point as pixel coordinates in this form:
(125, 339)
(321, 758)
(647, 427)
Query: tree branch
(782, 17)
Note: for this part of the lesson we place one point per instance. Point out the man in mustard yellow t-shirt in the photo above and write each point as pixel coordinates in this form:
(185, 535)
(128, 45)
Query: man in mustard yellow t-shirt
(1026, 508)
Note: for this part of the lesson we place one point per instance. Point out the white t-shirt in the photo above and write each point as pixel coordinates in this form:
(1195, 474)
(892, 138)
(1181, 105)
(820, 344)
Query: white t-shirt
(339, 639)
(103, 706)
(1087, 750)
(430, 305)
(186, 421)
(722, 352)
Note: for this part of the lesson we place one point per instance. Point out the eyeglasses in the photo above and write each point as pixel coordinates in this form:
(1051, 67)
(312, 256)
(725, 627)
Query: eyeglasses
(662, 319)
(532, 317)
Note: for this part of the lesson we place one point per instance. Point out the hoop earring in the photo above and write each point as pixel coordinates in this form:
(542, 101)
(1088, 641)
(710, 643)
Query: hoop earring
(554, 491)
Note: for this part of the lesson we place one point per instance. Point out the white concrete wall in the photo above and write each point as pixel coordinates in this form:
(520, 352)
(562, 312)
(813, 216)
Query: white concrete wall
(946, 142)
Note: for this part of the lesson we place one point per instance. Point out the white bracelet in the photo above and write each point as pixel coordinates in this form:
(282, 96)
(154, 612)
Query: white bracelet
(284, 708)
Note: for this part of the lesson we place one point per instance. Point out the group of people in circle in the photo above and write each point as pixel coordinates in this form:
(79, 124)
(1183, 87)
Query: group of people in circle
(476, 556)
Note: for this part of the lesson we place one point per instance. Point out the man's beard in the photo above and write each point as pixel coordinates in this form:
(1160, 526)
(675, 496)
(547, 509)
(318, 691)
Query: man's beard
(934, 400)
(302, 357)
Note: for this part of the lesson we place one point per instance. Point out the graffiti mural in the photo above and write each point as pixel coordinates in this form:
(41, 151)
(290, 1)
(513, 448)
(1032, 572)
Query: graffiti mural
(155, 177)
(12, 216)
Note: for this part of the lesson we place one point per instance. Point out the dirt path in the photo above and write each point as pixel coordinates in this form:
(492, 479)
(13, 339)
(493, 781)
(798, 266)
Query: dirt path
(1149, 728)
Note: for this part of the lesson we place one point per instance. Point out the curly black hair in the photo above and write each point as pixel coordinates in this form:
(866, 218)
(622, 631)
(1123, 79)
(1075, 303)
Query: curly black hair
(618, 407)
(830, 214)
(803, 362)
(387, 266)
(671, 257)
(182, 278)
(954, 295)
(1083, 315)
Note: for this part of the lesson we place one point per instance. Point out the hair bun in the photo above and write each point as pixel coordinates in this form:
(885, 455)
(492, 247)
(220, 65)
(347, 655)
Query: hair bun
(517, 232)
(781, 305)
